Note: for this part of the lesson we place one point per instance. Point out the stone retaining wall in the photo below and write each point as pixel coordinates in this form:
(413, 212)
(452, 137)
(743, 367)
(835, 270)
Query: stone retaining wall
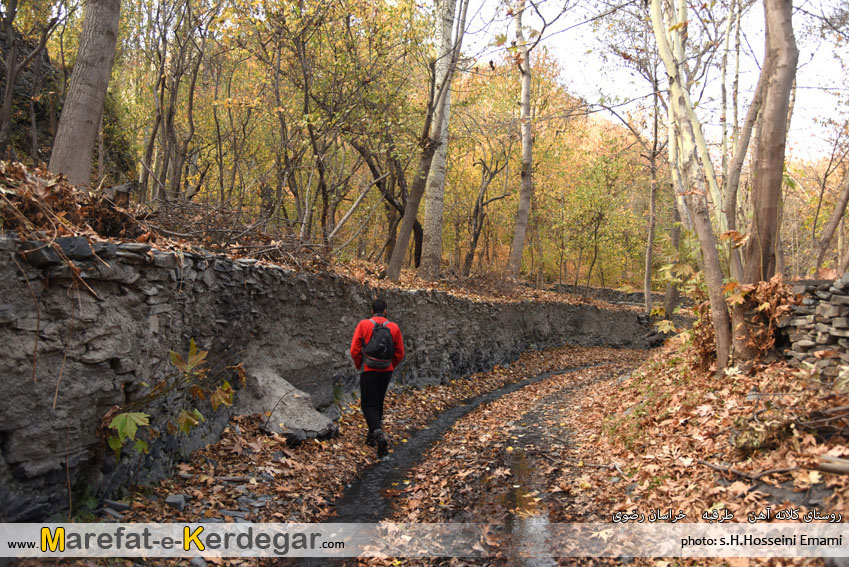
(820, 324)
(291, 330)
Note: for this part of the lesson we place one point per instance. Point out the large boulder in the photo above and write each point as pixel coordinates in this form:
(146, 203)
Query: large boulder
(285, 408)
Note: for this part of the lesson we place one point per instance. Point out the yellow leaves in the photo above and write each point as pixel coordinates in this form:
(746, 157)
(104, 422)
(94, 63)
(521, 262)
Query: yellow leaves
(665, 326)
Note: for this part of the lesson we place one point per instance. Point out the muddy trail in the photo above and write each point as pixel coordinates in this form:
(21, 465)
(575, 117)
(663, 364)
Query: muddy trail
(375, 497)
(366, 500)
(518, 454)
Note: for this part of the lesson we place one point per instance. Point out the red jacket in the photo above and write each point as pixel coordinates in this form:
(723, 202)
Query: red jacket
(362, 335)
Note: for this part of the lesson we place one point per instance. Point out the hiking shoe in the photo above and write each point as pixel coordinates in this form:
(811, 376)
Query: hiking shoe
(382, 443)
(370, 440)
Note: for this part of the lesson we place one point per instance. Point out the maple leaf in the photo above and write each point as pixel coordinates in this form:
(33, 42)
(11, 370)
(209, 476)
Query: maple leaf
(222, 395)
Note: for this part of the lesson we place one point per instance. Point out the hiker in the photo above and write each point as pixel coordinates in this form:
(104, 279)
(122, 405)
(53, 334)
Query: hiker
(377, 348)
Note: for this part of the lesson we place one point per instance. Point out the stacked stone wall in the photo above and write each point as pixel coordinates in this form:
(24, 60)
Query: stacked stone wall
(817, 332)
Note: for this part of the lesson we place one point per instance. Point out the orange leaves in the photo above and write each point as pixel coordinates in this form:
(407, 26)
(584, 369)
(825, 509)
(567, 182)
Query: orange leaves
(737, 239)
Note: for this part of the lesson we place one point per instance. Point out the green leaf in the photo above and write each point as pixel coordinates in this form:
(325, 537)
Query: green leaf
(141, 446)
(127, 423)
(115, 444)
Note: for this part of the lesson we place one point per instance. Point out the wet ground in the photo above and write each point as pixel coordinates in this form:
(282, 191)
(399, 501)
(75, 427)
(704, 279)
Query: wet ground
(517, 499)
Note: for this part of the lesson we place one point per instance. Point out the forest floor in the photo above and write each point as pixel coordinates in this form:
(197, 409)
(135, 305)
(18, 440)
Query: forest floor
(565, 435)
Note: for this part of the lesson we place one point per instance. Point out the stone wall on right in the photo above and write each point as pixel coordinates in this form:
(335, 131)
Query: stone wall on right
(818, 329)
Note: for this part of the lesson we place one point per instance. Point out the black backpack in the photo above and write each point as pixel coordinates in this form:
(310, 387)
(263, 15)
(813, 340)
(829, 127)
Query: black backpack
(380, 348)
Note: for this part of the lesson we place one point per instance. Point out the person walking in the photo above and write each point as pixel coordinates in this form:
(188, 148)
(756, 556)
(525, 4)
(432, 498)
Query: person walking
(377, 348)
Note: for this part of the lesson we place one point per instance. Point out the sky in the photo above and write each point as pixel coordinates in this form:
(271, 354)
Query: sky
(586, 74)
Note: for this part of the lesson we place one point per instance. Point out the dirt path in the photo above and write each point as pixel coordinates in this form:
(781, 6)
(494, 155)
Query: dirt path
(367, 500)
(488, 460)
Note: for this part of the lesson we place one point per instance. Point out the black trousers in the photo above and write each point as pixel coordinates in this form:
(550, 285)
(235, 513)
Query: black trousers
(373, 386)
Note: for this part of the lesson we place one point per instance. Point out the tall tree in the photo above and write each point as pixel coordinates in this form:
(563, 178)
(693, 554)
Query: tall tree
(688, 153)
(435, 189)
(80, 120)
(523, 62)
(780, 64)
(435, 116)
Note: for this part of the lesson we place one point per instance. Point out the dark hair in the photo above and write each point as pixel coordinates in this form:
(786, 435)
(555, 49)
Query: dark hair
(379, 306)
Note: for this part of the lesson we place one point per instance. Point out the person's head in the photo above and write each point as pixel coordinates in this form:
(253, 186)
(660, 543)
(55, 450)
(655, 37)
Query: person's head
(378, 307)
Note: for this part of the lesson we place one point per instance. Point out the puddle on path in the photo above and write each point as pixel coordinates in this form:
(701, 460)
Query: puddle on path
(528, 521)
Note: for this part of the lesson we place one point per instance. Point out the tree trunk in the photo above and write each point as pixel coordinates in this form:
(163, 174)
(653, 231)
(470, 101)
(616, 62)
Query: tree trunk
(72, 149)
(836, 216)
(430, 142)
(673, 295)
(650, 239)
(514, 264)
(781, 59)
(435, 189)
(684, 128)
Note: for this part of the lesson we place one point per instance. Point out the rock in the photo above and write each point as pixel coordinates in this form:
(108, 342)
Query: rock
(75, 247)
(822, 328)
(134, 247)
(112, 513)
(332, 412)
(805, 344)
(828, 311)
(840, 299)
(824, 338)
(164, 259)
(39, 254)
(836, 291)
(198, 562)
(176, 501)
(105, 250)
(832, 371)
(7, 314)
(294, 436)
(840, 322)
(291, 409)
(234, 513)
(132, 258)
(115, 505)
(245, 500)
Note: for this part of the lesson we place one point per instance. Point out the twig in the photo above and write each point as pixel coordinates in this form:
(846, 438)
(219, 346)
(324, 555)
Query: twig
(750, 476)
